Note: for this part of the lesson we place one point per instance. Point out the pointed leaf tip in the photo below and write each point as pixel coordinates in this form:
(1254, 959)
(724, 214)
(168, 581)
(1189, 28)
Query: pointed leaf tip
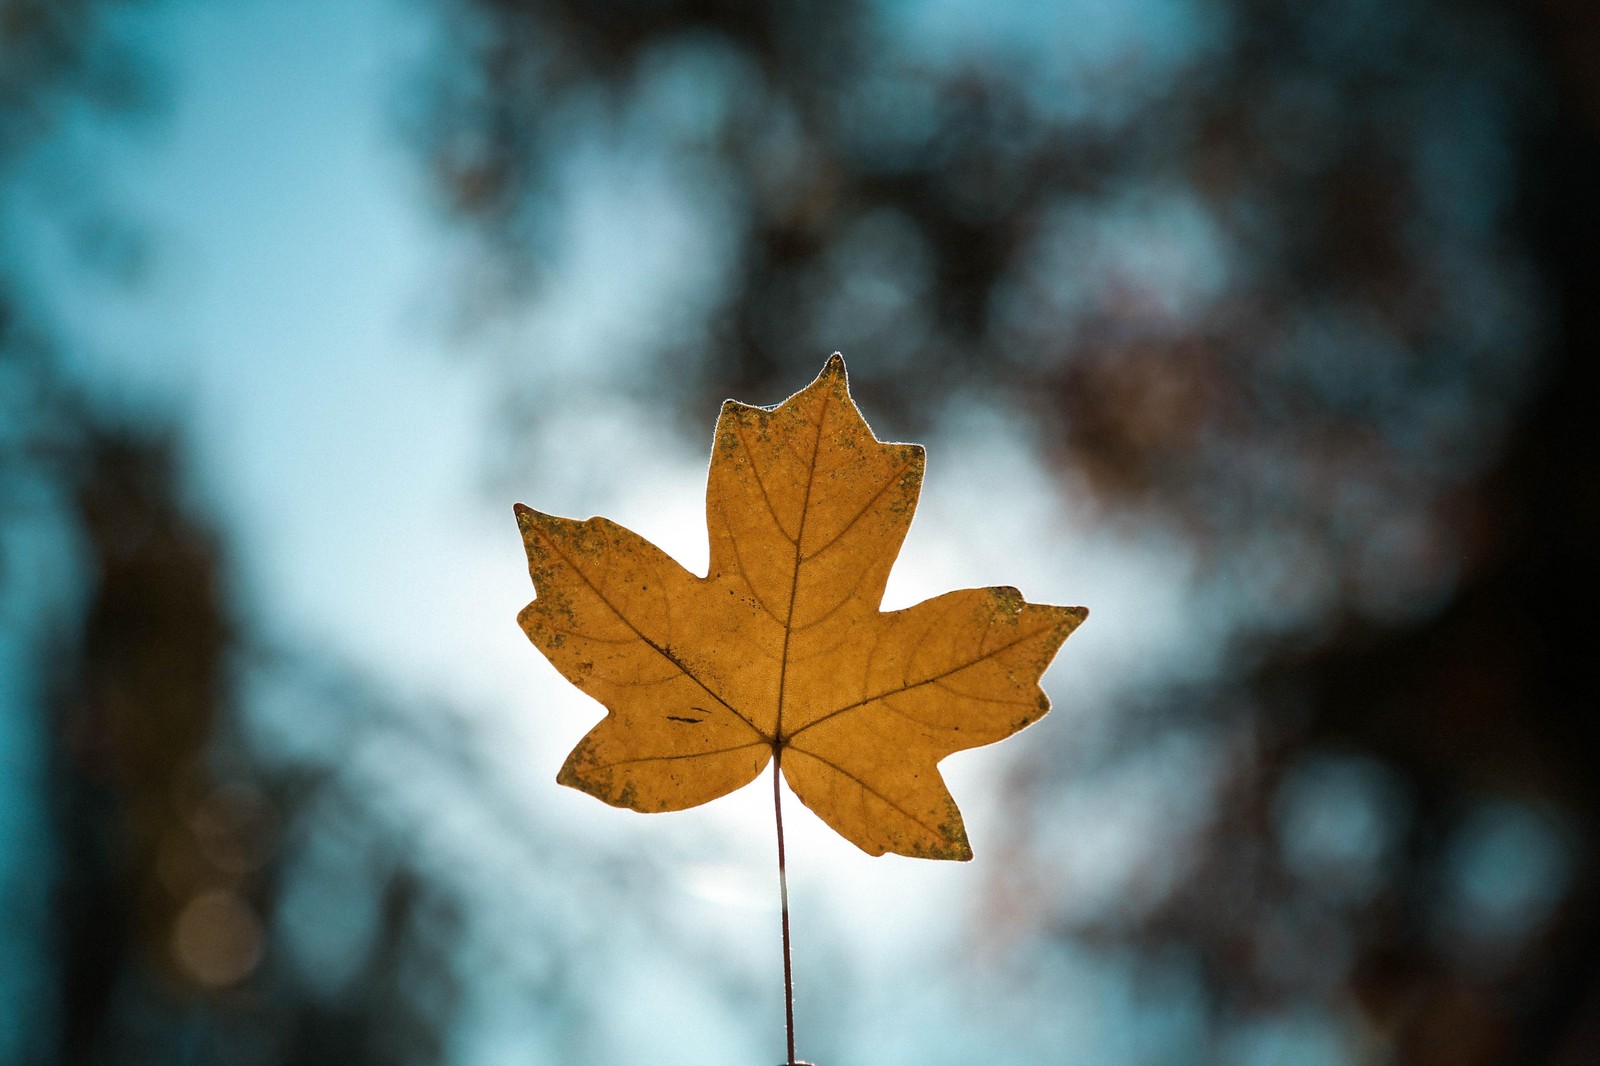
(527, 517)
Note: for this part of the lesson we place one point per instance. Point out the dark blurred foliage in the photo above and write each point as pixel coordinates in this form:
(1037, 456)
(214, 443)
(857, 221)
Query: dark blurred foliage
(57, 54)
(218, 897)
(1320, 293)
(253, 854)
(153, 853)
(156, 916)
(1331, 306)
(148, 851)
(214, 897)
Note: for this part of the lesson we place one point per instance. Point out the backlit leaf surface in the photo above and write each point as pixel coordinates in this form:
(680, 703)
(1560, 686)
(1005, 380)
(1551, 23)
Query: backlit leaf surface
(781, 650)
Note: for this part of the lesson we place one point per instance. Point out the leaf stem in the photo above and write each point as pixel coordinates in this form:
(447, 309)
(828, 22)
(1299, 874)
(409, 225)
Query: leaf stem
(783, 895)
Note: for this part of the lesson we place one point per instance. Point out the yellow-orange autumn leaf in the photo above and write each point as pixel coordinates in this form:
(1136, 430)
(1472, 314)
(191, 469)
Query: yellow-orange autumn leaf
(781, 650)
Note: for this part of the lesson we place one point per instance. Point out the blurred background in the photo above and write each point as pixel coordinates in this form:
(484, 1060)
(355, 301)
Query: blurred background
(1265, 329)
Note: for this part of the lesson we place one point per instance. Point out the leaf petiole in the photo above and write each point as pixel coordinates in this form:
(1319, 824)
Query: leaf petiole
(783, 896)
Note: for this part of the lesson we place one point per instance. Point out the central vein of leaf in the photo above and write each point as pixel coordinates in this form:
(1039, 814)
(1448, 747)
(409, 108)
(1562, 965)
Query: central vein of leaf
(778, 739)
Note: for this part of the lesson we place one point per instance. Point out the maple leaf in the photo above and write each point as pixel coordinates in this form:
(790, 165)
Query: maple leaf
(781, 652)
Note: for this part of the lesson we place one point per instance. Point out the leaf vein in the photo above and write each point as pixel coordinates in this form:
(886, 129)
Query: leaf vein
(836, 768)
(861, 579)
(983, 657)
(831, 541)
(738, 559)
(674, 758)
(794, 576)
(982, 699)
(663, 652)
(755, 472)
